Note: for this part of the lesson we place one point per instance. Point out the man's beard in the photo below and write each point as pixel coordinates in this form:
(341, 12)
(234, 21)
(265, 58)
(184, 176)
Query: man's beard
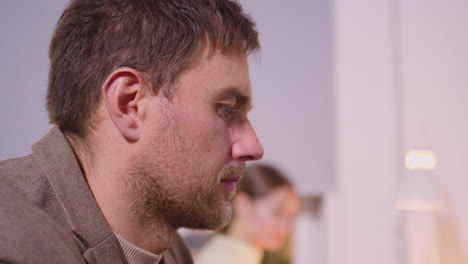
(158, 196)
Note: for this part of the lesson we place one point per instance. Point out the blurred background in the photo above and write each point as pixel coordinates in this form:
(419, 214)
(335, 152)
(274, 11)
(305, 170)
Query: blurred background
(362, 103)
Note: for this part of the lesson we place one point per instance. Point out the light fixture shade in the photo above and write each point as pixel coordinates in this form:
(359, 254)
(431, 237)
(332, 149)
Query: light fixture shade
(420, 160)
(419, 192)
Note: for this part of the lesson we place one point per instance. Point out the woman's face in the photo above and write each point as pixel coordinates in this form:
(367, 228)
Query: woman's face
(272, 216)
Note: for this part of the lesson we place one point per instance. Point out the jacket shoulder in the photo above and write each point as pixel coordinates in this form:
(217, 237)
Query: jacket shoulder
(29, 235)
(21, 172)
(30, 181)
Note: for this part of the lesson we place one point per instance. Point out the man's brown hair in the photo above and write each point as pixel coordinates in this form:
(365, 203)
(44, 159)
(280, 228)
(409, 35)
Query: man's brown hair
(159, 38)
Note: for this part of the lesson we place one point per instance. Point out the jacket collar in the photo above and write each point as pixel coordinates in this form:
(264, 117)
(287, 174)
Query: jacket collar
(55, 156)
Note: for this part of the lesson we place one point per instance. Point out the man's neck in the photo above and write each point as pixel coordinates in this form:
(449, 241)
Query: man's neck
(107, 182)
(155, 240)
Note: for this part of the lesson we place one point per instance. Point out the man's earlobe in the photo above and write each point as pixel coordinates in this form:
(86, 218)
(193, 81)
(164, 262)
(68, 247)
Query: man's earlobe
(122, 93)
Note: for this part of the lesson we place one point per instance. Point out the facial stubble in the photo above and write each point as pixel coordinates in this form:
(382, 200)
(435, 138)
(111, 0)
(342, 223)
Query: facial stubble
(176, 188)
(189, 205)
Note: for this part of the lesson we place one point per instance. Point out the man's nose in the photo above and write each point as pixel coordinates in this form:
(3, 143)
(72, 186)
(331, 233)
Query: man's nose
(246, 145)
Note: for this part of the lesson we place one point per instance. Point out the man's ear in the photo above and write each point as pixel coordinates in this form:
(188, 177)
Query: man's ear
(122, 93)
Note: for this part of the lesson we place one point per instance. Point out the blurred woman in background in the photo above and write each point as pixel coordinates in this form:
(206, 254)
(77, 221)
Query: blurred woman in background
(264, 207)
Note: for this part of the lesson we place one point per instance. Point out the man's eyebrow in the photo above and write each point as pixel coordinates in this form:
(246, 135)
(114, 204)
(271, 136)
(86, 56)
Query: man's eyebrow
(233, 92)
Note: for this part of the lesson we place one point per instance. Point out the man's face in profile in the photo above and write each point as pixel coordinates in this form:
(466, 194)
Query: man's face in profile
(196, 149)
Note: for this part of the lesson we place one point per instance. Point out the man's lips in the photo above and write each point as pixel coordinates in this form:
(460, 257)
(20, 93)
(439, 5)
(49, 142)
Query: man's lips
(229, 183)
(230, 179)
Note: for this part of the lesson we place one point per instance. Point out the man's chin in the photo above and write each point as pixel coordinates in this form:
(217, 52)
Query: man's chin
(214, 221)
(227, 217)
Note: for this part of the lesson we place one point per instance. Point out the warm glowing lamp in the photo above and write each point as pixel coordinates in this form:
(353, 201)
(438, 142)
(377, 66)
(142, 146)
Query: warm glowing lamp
(420, 160)
(419, 191)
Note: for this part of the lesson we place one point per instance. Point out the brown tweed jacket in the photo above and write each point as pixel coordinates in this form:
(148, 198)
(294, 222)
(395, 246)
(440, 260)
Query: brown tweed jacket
(48, 214)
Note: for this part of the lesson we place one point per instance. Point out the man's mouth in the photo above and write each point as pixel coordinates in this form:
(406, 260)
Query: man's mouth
(231, 173)
(230, 179)
(230, 183)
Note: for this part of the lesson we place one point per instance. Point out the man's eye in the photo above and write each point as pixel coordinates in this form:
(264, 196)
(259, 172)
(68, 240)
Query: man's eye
(227, 110)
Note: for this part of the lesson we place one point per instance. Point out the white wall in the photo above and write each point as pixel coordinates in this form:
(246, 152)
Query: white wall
(26, 28)
(434, 41)
(362, 225)
(401, 82)
(292, 88)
